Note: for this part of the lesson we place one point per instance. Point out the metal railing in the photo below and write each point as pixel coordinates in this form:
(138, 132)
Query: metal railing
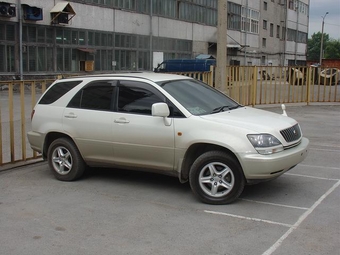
(249, 85)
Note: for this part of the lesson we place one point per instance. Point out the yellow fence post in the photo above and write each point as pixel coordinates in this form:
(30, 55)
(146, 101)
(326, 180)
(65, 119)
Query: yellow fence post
(1, 137)
(211, 76)
(254, 85)
(309, 82)
(23, 120)
(11, 119)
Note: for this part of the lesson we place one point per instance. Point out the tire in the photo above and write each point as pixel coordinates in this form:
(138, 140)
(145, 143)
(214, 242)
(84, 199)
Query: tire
(216, 178)
(65, 160)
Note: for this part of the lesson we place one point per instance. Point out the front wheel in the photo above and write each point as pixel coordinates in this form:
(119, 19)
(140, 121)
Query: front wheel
(216, 178)
(65, 160)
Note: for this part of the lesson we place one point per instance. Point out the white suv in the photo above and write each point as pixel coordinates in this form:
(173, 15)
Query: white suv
(167, 123)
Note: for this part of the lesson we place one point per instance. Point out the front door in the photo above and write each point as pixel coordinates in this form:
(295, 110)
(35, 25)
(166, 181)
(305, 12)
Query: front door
(140, 139)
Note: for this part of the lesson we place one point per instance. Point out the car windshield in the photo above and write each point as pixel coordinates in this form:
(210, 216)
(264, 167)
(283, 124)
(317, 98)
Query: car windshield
(197, 97)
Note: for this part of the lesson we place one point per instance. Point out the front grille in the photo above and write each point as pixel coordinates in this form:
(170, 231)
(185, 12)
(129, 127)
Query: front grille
(291, 134)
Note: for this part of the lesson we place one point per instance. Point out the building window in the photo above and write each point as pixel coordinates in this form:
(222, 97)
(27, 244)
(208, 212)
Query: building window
(302, 37)
(263, 60)
(283, 37)
(271, 29)
(265, 6)
(277, 31)
(291, 35)
(303, 8)
(250, 20)
(264, 24)
(264, 42)
(234, 16)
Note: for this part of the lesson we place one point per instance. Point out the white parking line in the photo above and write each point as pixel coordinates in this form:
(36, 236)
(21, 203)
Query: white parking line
(325, 145)
(278, 243)
(317, 149)
(249, 218)
(313, 166)
(314, 177)
(267, 203)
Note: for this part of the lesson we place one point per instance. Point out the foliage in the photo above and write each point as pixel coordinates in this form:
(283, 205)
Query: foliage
(314, 45)
(331, 47)
(332, 50)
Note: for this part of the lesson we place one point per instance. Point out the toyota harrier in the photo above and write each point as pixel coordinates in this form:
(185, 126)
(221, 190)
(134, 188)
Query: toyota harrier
(163, 123)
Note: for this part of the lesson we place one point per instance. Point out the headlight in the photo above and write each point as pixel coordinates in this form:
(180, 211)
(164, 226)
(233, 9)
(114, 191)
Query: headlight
(265, 144)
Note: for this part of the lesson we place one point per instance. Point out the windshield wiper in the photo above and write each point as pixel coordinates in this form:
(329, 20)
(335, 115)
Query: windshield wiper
(235, 107)
(221, 109)
(225, 108)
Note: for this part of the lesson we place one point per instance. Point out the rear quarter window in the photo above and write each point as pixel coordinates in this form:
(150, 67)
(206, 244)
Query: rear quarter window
(57, 91)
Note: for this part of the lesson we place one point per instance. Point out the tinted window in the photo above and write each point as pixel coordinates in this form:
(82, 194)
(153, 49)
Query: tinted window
(197, 97)
(57, 91)
(174, 111)
(136, 97)
(95, 96)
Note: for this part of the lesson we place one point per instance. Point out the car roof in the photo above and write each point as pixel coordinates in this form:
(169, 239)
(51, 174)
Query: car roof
(151, 76)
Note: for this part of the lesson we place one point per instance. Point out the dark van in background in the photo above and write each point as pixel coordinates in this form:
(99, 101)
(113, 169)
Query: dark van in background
(185, 65)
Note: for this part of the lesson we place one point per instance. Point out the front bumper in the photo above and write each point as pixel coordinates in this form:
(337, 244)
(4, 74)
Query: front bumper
(265, 167)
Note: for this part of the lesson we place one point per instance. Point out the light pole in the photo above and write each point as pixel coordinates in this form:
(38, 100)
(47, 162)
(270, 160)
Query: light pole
(321, 47)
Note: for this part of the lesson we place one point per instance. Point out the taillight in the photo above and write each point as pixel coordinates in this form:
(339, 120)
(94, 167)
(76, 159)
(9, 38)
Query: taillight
(32, 114)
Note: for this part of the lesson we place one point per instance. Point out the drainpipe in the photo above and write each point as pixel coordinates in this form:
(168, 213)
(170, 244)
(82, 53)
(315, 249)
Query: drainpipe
(221, 61)
(297, 31)
(286, 34)
(20, 41)
(246, 35)
(151, 37)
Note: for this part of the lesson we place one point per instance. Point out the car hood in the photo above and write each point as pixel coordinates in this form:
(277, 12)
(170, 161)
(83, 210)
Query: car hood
(254, 120)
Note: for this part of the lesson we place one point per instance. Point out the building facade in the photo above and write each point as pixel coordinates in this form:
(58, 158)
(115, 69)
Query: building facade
(45, 37)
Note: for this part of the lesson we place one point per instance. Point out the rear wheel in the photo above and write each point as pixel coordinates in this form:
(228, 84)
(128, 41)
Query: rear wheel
(65, 160)
(216, 178)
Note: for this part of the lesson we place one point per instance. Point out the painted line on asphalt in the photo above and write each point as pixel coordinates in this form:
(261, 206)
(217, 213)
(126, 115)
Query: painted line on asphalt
(249, 218)
(317, 149)
(278, 243)
(313, 166)
(274, 204)
(314, 177)
(325, 145)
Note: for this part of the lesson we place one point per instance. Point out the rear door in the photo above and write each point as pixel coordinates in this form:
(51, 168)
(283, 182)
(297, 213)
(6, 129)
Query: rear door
(88, 120)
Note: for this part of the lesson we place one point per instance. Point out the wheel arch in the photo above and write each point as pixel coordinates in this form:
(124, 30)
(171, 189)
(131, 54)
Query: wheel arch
(50, 137)
(196, 150)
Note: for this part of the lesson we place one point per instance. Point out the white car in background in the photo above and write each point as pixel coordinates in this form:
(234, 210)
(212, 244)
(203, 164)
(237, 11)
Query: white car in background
(163, 123)
(330, 76)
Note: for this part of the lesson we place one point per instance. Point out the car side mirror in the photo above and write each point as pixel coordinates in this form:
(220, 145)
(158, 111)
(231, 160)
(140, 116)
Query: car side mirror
(160, 110)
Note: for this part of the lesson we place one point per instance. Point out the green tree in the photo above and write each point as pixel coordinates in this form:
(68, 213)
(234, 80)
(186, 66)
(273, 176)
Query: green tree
(332, 49)
(314, 45)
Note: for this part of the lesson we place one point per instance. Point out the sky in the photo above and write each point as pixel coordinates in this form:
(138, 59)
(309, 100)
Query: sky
(318, 8)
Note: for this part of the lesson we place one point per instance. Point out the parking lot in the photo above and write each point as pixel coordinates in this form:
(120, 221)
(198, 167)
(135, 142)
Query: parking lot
(112, 211)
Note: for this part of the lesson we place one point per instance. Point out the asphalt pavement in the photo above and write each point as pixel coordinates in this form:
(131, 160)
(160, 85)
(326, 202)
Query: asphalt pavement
(112, 211)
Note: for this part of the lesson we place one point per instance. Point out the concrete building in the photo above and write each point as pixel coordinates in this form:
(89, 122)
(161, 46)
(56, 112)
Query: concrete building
(284, 32)
(45, 37)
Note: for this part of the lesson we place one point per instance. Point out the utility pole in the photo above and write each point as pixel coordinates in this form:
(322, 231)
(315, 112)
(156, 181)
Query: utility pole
(20, 42)
(221, 70)
(321, 47)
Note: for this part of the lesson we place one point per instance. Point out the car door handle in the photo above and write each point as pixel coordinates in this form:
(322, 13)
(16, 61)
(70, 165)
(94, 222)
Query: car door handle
(121, 121)
(71, 115)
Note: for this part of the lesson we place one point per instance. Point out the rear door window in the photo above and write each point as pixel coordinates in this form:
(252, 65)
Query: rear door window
(57, 91)
(95, 96)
